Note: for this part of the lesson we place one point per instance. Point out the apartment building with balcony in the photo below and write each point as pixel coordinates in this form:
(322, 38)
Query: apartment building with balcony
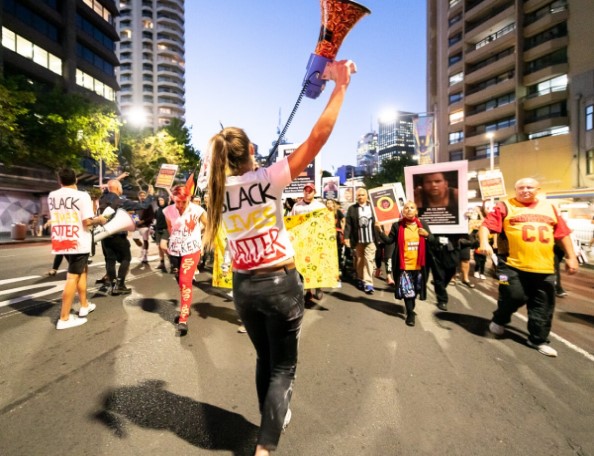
(517, 75)
(152, 62)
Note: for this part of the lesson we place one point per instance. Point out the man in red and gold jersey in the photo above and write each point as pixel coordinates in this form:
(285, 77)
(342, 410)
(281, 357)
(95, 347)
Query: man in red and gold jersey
(527, 271)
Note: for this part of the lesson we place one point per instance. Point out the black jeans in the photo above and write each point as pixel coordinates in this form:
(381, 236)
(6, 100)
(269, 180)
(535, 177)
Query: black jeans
(271, 307)
(116, 248)
(537, 291)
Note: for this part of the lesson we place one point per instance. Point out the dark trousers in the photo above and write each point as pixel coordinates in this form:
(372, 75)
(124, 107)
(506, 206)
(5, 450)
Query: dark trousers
(271, 307)
(442, 275)
(116, 249)
(57, 261)
(537, 291)
(479, 263)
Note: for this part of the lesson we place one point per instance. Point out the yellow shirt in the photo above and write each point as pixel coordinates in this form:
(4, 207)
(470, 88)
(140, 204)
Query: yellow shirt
(530, 234)
(411, 247)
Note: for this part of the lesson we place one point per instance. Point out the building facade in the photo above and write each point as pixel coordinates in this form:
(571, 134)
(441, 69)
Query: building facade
(152, 62)
(395, 136)
(62, 43)
(503, 73)
(367, 153)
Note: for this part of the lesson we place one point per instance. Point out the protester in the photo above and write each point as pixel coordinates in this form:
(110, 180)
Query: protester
(409, 260)
(116, 248)
(531, 226)
(160, 228)
(143, 217)
(207, 253)
(359, 234)
(288, 205)
(309, 204)
(71, 217)
(184, 244)
(339, 222)
(267, 289)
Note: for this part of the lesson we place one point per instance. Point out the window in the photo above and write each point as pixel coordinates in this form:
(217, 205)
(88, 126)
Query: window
(456, 78)
(456, 137)
(456, 117)
(590, 161)
(589, 117)
(27, 49)
(455, 97)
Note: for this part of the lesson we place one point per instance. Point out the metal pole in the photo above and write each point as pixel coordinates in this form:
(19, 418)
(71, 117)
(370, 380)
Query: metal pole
(492, 153)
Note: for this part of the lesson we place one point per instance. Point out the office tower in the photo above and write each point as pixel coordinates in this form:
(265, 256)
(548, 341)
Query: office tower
(395, 136)
(367, 153)
(151, 52)
(68, 43)
(511, 75)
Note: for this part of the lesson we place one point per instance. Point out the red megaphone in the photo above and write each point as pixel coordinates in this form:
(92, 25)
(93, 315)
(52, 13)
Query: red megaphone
(338, 18)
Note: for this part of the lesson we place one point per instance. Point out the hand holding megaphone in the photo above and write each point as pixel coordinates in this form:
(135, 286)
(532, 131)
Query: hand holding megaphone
(339, 72)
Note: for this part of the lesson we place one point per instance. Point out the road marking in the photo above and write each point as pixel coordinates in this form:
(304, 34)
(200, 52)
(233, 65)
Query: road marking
(48, 288)
(18, 279)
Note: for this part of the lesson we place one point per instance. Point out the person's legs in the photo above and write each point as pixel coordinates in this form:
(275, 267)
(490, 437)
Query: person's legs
(511, 294)
(369, 250)
(360, 261)
(541, 305)
(186, 276)
(68, 295)
(271, 307)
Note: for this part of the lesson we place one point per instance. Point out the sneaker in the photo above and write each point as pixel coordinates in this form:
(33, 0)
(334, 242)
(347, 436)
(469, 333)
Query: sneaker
(369, 289)
(378, 273)
(410, 319)
(477, 275)
(442, 306)
(72, 322)
(360, 285)
(545, 349)
(241, 329)
(162, 267)
(287, 419)
(318, 294)
(84, 311)
(182, 329)
(496, 329)
(483, 277)
(561, 294)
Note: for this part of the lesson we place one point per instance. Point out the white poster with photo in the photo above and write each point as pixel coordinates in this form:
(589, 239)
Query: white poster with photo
(440, 192)
(331, 187)
(311, 174)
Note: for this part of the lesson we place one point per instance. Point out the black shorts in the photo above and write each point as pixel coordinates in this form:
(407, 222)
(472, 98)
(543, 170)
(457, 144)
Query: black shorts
(77, 263)
(465, 253)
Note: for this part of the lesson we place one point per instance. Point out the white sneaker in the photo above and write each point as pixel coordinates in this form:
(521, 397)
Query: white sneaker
(545, 349)
(84, 311)
(72, 322)
(287, 419)
(496, 329)
(477, 275)
(482, 277)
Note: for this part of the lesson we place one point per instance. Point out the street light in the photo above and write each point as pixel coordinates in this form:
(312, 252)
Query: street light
(491, 135)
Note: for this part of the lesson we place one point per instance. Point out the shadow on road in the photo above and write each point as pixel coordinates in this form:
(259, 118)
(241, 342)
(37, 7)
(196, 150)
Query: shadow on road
(576, 317)
(389, 308)
(150, 406)
(479, 326)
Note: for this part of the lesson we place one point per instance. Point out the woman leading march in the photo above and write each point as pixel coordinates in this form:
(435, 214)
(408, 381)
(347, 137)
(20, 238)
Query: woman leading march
(267, 289)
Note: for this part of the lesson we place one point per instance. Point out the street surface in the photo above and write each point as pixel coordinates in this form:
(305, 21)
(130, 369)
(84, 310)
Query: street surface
(367, 384)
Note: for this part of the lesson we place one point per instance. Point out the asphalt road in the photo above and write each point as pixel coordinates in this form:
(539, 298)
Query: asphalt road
(124, 385)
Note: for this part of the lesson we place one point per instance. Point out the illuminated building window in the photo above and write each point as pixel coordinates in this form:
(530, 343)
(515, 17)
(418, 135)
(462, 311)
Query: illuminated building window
(456, 117)
(589, 117)
(27, 49)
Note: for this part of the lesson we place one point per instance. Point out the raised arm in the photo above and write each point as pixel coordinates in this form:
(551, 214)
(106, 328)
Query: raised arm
(340, 73)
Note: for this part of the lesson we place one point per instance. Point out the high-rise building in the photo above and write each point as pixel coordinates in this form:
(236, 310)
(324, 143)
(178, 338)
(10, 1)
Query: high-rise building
(367, 153)
(512, 83)
(67, 43)
(395, 137)
(151, 52)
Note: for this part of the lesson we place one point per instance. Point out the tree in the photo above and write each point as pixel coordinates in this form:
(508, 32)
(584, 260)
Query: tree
(392, 170)
(14, 106)
(143, 154)
(182, 135)
(61, 128)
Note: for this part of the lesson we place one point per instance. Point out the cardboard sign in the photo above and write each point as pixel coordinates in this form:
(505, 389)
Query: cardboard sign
(166, 176)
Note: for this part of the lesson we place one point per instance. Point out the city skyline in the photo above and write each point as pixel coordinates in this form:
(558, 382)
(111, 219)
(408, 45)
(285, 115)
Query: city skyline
(245, 68)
